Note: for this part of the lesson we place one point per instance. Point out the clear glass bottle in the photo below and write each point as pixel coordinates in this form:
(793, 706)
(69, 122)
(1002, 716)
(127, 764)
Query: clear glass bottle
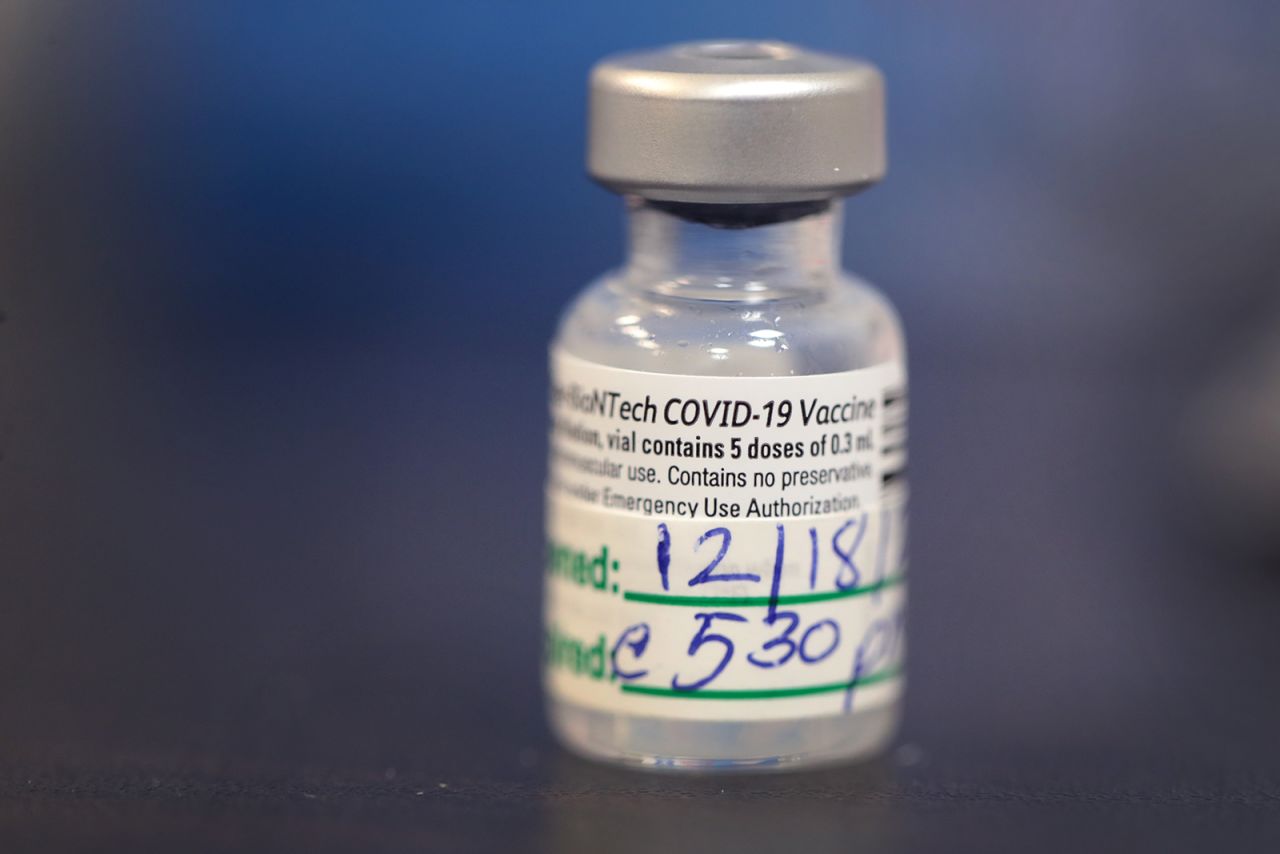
(725, 284)
(700, 298)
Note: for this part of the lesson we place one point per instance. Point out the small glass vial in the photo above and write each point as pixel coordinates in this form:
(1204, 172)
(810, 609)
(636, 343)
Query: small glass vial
(726, 498)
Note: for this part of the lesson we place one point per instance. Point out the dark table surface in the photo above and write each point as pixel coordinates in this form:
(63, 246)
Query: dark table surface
(254, 601)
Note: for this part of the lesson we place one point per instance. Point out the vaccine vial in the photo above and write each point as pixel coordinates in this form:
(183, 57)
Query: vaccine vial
(726, 498)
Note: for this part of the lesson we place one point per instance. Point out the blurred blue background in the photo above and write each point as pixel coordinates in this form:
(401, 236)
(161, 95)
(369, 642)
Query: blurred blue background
(276, 283)
(1078, 181)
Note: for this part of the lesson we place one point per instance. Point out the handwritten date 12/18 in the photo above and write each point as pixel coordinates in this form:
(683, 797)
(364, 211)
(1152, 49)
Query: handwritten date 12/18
(844, 544)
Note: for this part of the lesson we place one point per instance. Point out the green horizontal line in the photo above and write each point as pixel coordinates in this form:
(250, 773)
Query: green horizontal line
(758, 601)
(764, 693)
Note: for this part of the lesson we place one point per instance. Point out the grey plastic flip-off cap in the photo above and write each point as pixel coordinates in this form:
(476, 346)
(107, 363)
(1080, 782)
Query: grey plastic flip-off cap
(735, 122)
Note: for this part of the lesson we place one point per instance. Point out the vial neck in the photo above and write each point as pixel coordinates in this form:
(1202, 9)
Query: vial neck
(733, 252)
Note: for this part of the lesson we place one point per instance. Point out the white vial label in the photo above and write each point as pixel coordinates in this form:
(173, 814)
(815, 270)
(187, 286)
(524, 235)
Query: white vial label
(725, 548)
